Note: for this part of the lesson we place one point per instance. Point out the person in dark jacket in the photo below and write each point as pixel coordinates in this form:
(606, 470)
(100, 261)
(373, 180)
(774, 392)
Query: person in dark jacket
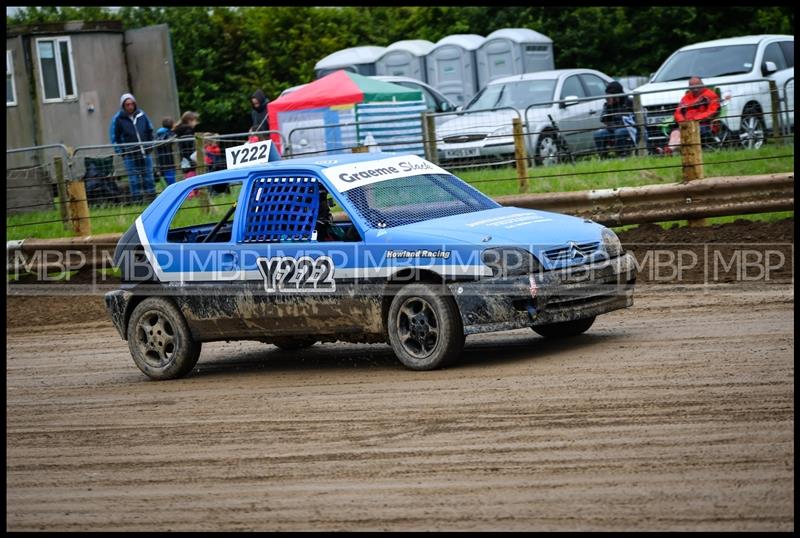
(165, 150)
(132, 126)
(619, 133)
(185, 130)
(259, 120)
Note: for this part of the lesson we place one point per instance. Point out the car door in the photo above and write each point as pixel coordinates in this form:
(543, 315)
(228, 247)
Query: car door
(303, 272)
(574, 118)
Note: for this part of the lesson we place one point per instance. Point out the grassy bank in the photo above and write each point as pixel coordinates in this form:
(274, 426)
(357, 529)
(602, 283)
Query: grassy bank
(585, 174)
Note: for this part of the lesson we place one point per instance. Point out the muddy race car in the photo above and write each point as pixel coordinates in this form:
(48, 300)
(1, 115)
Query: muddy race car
(372, 247)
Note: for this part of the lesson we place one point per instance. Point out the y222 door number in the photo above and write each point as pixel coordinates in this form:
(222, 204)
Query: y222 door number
(303, 274)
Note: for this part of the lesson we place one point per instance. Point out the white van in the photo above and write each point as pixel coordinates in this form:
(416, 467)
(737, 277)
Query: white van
(739, 67)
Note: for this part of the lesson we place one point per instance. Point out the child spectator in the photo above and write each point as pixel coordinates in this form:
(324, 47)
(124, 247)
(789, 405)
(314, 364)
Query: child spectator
(165, 150)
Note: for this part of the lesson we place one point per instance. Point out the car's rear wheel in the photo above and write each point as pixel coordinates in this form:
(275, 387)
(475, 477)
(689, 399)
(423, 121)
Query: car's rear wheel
(564, 329)
(160, 341)
(424, 327)
(293, 343)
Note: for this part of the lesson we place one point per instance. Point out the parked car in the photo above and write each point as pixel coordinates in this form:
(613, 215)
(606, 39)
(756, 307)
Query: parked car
(739, 68)
(565, 108)
(419, 260)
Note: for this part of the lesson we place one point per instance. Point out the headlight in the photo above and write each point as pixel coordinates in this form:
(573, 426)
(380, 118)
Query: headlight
(611, 243)
(510, 261)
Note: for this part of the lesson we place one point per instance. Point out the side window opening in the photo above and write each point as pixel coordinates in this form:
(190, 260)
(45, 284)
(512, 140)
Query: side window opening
(773, 53)
(572, 86)
(292, 210)
(788, 52)
(206, 215)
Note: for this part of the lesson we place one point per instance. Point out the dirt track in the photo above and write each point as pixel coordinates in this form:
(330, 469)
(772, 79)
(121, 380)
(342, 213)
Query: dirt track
(676, 414)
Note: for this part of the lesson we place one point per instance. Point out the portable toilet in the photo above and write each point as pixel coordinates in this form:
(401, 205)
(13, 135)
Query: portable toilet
(451, 66)
(404, 59)
(513, 51)
(359, 60)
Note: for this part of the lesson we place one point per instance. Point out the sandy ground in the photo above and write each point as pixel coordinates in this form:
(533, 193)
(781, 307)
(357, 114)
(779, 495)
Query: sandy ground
(676, 414)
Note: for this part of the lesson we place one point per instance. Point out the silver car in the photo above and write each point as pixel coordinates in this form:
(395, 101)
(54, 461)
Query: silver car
(563, 108)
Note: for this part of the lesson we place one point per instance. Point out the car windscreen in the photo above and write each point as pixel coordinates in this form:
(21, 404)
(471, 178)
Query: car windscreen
(518, 94)
(407, 200)
(708, 62)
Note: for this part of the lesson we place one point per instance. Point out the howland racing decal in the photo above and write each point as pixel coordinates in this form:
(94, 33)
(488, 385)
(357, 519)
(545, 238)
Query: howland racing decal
(418, 253)
(303, 274)
(350, 176)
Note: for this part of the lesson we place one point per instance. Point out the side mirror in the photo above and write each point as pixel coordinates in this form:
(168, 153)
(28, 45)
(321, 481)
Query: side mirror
(650, 78)
(569, 101)
(444, 106)
(768, 68)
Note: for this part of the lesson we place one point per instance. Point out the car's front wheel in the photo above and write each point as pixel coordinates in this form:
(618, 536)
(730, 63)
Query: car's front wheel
(160, 341)
(752, 132)
(548, 149)
(564, 329)
(424, 327)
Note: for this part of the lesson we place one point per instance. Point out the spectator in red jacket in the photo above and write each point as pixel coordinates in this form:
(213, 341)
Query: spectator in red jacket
(698, 104)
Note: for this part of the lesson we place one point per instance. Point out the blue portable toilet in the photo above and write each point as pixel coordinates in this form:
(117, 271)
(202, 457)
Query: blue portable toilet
(359, 60)
(513, 51)
(405, 59)
(451, 66)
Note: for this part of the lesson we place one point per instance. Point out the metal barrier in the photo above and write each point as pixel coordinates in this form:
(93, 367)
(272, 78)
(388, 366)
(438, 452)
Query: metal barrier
(747, 128)
(36, 179)
(712, 197)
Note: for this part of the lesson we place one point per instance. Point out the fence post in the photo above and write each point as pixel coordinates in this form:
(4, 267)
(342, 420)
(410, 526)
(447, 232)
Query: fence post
(426, 145)
(776, 113)
(433, 155)
(79, 208)
(63, 200)
(200, 154)
(639, 113)
(692, 159)
(202, 194)
(520, 155)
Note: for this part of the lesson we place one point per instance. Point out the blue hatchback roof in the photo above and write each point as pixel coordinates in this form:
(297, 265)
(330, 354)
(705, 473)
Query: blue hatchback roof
(316, 164)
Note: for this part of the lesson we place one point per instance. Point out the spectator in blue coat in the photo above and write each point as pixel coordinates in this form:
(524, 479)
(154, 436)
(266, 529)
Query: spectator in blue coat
(131, 126)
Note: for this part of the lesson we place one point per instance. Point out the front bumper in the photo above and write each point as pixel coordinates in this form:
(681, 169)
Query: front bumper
(499, 304)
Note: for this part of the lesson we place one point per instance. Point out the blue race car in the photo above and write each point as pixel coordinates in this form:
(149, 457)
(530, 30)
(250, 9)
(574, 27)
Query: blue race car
(414, 257)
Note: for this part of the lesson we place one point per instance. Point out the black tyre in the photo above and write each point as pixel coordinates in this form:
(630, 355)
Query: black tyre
(548, 149)
(752, 131)
(159, 339)
(293, 343)
(565, 329)
(424, 327)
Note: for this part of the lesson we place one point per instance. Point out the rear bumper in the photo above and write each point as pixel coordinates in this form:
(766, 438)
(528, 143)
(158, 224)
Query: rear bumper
(498, 304)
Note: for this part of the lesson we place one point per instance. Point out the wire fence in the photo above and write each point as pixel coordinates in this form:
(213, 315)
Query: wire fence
(565, 131)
